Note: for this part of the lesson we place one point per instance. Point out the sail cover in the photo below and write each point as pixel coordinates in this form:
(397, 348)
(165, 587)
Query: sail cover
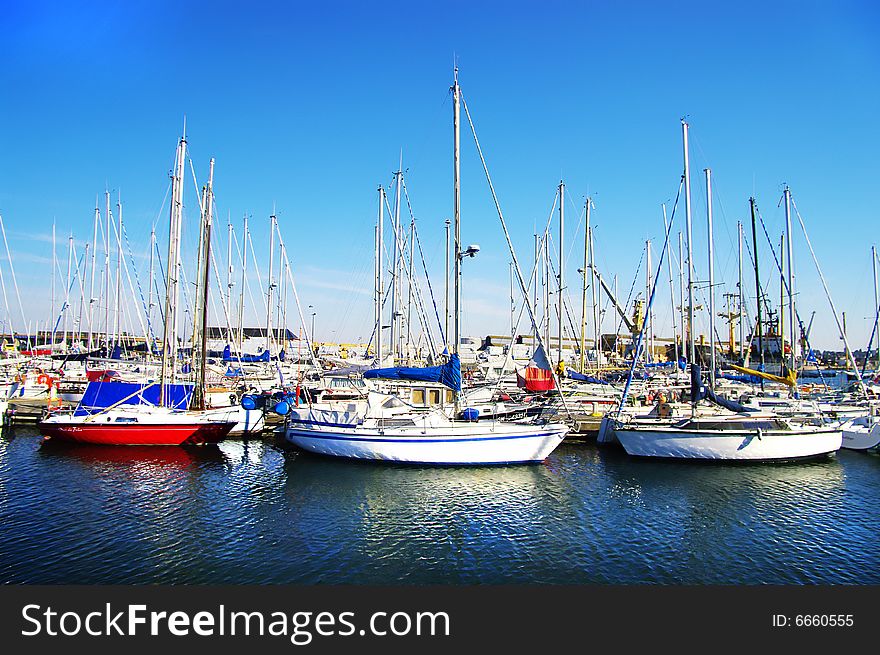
(580, 377)
(101, 395)
(699, 391)
(449, 374)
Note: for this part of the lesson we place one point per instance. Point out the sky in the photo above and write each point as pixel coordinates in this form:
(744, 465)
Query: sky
(308, 107)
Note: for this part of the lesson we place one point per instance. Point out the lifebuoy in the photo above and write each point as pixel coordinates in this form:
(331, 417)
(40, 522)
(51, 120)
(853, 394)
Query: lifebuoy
(44, 379)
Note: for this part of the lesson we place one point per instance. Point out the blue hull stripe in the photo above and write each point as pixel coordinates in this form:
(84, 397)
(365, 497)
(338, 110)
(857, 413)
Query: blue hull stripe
(423, 440)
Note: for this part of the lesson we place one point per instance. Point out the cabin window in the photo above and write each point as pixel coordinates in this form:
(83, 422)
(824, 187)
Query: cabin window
(435, 396)
(418, 396)
(449, 396)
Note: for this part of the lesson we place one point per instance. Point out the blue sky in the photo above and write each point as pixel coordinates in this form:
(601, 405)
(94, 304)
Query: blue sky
(307, 106)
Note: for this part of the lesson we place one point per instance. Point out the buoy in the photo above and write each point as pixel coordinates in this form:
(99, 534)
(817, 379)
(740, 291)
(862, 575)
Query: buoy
(282, 408)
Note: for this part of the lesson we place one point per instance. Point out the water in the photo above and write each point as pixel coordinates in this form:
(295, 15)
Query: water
(258, 513)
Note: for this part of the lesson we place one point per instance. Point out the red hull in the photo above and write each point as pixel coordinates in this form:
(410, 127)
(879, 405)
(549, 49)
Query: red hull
(131, 434)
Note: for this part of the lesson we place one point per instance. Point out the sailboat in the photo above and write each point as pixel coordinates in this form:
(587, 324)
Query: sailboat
(389, 430)
(154, 413)
(739, 434)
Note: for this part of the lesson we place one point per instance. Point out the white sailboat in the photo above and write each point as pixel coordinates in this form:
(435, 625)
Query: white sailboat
(739, 435)
(390, 431)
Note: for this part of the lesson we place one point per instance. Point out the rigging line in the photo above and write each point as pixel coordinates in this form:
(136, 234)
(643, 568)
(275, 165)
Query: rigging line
(830, 301)
(425, 269)
(519, 275)
(784, 280)
(14, 281)
(149, 326)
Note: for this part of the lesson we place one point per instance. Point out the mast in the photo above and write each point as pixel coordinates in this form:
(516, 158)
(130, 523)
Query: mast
(739, 286)
(649, 351)
(92, 284)
(66, 304)
(244, 260)
(54, 273)
(690, 248)
(538, 261)
(685, 326)
(395, 267)
(409, 289)
(757, 283)
(711, 276)
(456, 213)
(116, 336)
(446, 303)
(109, 216)
(379, 289)
(583, 273)
(199, 335)
(150, 290)
(791, 314)
(230, 235)
(559, 300)
(169, 336)
(270, 285)
(594, 275)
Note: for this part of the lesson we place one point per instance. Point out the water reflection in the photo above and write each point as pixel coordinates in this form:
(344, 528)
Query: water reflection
(251, 512)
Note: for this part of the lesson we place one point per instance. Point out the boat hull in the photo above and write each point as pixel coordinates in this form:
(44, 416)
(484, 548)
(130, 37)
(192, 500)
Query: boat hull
(857, 437)
(156, 434)
(453, 447)
(729, 445)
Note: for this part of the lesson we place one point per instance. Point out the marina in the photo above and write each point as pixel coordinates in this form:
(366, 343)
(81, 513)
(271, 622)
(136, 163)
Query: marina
(465, 337)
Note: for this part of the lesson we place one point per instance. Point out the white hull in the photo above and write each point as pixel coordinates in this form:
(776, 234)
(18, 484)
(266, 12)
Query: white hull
(451, 444)
(248, 422)
(749, 445)
(858, 435)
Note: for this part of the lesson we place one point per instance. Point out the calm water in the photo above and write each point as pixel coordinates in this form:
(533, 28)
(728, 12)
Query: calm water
(257, 513)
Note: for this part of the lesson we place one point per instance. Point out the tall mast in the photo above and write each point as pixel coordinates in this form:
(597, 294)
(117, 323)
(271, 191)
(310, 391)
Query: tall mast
(594, 281)
(92, 284)
(649, 351)
(169, 336)
(711, 276)
(395, 267)
(116, 328)
(791, 313)
(559, 301)
(270, 284)
(244, 259)
(760, 329)
(150, 290)
(690, 248)
(446, 302)
(409, 288)
(230, 235)
(739, 285)
(54, 273)
(379, 290)
(583, 273)
(456, 212)
(66, 304)
(109, 216)
(538, 262)
(199, 335)
(685, 325)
